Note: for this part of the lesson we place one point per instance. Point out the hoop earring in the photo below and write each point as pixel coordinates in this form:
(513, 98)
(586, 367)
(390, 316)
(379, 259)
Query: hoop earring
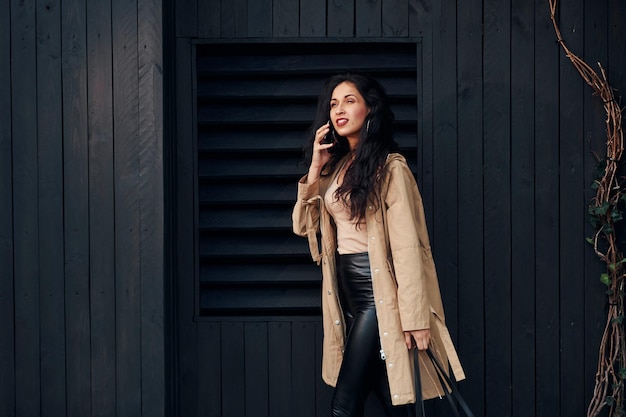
(367, 125)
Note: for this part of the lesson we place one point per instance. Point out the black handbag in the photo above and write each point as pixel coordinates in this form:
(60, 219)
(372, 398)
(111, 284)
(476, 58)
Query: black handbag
(448, 384)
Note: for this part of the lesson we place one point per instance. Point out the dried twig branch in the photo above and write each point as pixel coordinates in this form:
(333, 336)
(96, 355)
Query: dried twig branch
(609, 388)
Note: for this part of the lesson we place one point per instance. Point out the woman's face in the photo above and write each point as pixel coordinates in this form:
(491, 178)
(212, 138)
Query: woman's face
(348, 111)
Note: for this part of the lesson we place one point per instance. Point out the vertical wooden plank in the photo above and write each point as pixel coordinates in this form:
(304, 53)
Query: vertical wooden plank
(233, 18)
(188, 383)
(471, 318)
(188, 17)
(572, 215)
(260, 25)
(279, 335)
(597, 15)
(232, 340)
(497, 206)
(369, 15)
(423, 19)
(522, 206)
(445, 221)
(395, 20)
(209, 18)
(25, 203)
(303, 373)
(340, 20)
(546, 212)
(76, 204)
(312, 18)
(7, 314)
(152, 216)
(323, 392)
(50, 162)
(127, 207)
(256, 369)
(286, 15)
(209, 388)
(101, 207)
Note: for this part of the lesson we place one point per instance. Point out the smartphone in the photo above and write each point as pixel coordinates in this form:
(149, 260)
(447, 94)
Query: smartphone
(330, 136)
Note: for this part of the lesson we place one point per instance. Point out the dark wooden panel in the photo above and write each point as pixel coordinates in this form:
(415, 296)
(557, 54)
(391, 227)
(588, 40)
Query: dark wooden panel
(152, 216)
(233, 18)
(303, 369)
(340, 18)
(522, 207)
(101, 207)
(471, 320)
(312, 18)
(368, 18)
(233, 363)
(419, 18)
(572, 215)
(497, 207)
(424, 20)
(127, 207)
(260, 22)
(444, 227)
(7, 314)
(208, 391)
(546, 215)
(76, 204)
(395, 18)
(323, 392)
(188, 16)
(597, 17)
(185, 236)
(25, 202)
(280, 356)
(256, 369)
(286, 18)
(208, 17)
(50, 162)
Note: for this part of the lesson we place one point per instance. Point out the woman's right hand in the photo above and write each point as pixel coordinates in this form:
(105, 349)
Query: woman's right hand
(320, 153)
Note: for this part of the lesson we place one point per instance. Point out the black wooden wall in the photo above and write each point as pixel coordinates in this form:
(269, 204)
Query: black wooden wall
(507, 130)
(81, 209)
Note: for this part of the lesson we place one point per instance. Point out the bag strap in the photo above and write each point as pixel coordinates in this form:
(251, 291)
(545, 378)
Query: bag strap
(448, 384)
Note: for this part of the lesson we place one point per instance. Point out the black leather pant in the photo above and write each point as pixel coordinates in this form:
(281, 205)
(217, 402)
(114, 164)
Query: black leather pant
(362, 370)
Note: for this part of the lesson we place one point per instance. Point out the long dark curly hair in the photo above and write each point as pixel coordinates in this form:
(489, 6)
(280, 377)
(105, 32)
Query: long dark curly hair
(361, 183)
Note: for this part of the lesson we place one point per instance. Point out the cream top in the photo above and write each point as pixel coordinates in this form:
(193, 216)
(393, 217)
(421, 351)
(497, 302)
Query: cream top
(350, 238)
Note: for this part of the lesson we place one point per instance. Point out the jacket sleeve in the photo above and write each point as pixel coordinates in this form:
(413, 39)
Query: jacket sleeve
(306, 216)
(405, 212)
(307, 206)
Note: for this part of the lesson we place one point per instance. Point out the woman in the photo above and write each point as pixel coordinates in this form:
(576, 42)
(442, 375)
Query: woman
(380, 294)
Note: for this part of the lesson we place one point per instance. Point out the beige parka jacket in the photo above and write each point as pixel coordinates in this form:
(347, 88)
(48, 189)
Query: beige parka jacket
(404, 280)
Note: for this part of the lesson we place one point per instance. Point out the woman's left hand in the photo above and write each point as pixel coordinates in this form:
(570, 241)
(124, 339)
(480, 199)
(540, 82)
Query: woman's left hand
(421, 337)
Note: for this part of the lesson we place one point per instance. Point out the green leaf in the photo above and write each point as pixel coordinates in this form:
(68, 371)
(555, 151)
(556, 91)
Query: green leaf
(589, 240)
(616, 215)
(609, 400)
(622, 373)
(618, 320)
(605, 279)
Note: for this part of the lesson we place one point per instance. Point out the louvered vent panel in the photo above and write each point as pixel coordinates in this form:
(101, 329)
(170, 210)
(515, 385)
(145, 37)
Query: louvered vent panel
(254, 104)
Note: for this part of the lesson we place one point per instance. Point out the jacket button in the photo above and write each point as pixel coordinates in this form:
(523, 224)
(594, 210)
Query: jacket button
(385, 334)
(391, 365)
(395, 395)
(380, 301)
(376, 271)
(337, 322)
